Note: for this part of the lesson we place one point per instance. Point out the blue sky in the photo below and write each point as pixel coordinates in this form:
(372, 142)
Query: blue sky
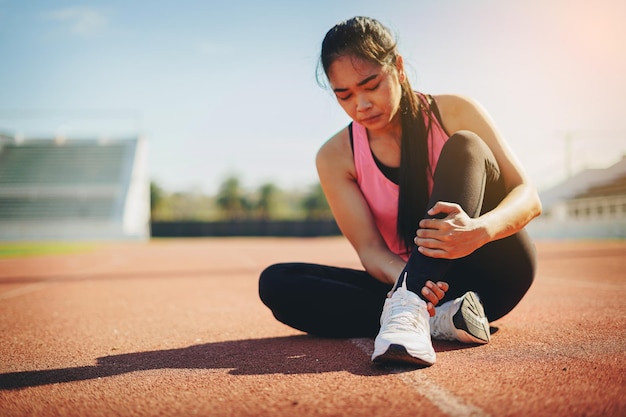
(222, 88)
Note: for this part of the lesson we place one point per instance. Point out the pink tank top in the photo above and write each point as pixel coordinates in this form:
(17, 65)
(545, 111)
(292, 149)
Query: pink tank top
(381, 193)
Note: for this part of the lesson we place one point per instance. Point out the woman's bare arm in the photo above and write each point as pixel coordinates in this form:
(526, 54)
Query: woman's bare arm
(336, 171)
(335, 165)
(458, 235)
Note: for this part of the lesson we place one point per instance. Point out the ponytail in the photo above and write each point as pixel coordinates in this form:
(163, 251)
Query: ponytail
(414, 165)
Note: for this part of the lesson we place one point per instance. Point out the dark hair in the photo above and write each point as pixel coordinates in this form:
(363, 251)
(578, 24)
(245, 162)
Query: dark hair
(368, 39)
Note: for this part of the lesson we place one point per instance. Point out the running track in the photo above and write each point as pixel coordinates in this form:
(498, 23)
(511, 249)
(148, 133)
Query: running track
(175, 327)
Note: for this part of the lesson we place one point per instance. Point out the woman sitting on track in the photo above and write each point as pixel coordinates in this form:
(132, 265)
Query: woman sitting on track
(426, 191)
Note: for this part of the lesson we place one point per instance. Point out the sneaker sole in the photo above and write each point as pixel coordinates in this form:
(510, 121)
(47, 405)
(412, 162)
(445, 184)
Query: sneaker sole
(397, 354)
(472, 321)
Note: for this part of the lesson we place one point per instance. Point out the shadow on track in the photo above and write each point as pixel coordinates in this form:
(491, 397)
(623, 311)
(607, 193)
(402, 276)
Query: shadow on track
(301, 354)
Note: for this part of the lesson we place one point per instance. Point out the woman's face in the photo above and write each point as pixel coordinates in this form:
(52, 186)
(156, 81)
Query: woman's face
(368, 92)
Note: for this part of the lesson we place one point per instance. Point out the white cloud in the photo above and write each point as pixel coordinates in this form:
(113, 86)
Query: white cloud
(81, 21)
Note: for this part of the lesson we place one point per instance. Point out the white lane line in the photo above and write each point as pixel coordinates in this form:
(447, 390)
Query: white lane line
(443, 399)
(23, 290)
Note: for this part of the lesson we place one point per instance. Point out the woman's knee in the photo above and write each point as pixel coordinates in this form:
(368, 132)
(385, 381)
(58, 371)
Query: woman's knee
(465, 152)
(466, 143)
(269, 282)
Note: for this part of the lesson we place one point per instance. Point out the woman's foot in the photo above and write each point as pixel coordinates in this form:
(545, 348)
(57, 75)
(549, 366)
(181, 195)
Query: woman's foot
(404, 334)
(462, 319)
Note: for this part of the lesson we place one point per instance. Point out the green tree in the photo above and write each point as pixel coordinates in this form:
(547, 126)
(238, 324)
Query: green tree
(315, 204)
(156, 197)
(266, 206)
(231, 199)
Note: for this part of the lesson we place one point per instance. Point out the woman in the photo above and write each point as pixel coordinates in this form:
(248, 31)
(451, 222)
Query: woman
(426, 191)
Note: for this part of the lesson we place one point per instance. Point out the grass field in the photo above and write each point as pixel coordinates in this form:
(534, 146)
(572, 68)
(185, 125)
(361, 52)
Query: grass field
(21, 249)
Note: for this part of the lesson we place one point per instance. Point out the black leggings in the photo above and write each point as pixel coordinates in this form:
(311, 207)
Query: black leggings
(339, 302)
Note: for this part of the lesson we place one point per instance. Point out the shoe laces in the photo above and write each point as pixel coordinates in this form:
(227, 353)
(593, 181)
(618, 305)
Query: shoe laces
(403, 312)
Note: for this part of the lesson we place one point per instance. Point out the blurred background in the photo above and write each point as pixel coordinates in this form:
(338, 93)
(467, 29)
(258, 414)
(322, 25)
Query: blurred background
(209, 111)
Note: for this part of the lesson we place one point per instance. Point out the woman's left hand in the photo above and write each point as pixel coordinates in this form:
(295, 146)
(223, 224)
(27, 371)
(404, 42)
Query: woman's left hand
(454, 236)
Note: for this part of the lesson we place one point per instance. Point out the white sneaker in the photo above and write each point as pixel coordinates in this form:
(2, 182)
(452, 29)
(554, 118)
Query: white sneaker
(404, 334)
(462, 320)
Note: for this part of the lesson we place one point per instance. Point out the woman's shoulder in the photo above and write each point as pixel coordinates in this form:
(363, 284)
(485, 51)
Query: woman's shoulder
(453, 100)
(455, 103)
(336, 144)
(456, 108)
(337, 151)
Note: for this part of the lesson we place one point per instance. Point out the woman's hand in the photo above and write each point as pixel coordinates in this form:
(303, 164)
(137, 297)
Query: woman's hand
(454, 236)
(434, 293)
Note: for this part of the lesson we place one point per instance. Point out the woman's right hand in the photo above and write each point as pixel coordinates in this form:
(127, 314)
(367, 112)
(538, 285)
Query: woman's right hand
(434, 293)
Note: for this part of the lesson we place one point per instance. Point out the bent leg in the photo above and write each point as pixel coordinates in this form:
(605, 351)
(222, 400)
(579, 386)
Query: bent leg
(467, 174)
(500, 272)
(324, 300)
